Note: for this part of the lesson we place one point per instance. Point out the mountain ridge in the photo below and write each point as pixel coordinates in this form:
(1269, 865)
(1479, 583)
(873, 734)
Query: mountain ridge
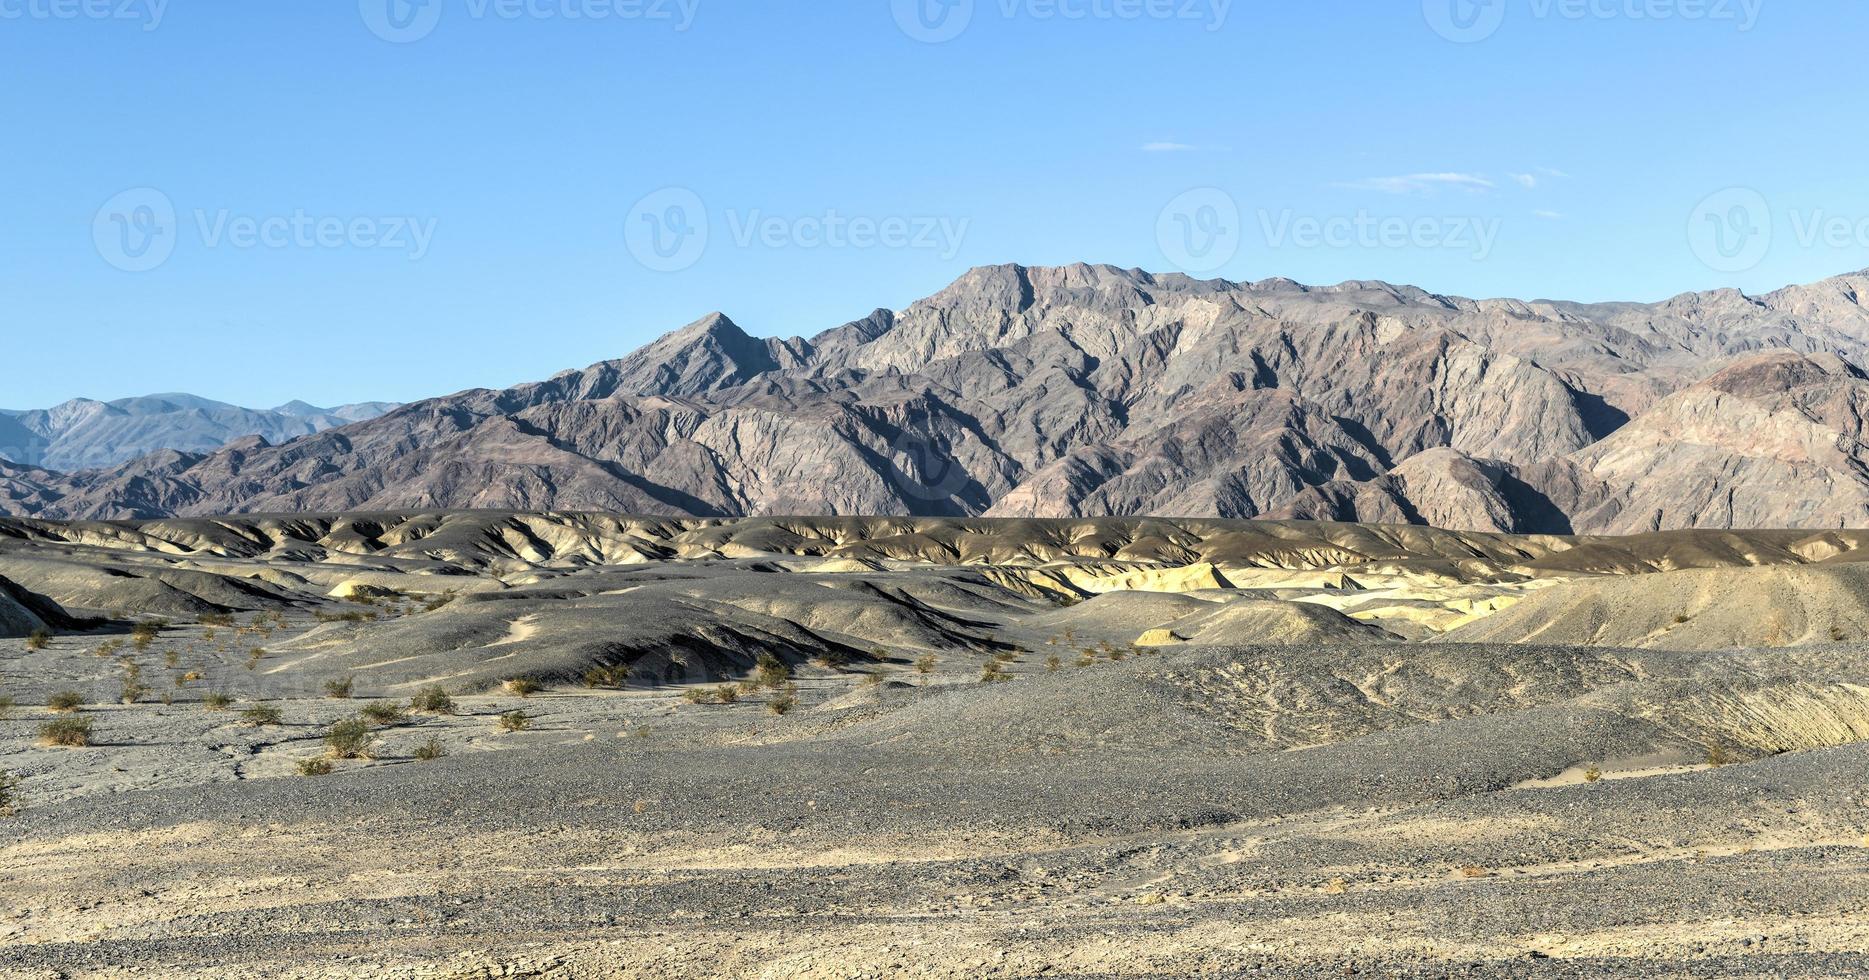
(1088, 390)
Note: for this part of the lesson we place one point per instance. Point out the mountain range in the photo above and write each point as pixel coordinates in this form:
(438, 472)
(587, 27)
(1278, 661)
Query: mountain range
(87, 434)
(1089, 390)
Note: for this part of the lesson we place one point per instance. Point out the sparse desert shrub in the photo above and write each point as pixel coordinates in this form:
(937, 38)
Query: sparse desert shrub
(875, 677)
(771, 671)
(9, 793)
(1717, 756)
(727, 693)
(381, 713)
(1474, 871)
(432, 700)
(1053, 662)
(1681, 620)
(1086, 657)
(995, 673)
(430, 750)
(6, 706)
(834, 659)
(215, 619)
(132, 688)
(39, 640)
(71, 732)
(316, 767)
(523, 687)
(1336, 886)
(340, 688)
(345, 617)
(1593, 774)
(254, 656)
(262, 716)
(172, 659)
(350, 739)
(696, 695)
(784, 701)
(217, 701)
(143, 634)
(616, 676)
(65, 702)
(515, 721)
(925, 665)
(437, 602)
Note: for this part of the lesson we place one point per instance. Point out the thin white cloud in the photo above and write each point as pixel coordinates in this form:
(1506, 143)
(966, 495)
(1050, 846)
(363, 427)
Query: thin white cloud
(1527, 181)
(1167, 148)
(1423, 183)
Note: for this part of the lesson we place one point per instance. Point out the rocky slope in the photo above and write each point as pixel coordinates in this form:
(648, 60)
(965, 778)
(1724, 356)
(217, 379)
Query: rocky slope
(1090, 390)
(85, 434)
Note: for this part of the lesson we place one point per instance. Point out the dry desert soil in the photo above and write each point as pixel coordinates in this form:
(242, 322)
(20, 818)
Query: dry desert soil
(894, 747)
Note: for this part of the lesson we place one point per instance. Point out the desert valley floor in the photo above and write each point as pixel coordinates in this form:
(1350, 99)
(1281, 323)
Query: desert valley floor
(597, 746)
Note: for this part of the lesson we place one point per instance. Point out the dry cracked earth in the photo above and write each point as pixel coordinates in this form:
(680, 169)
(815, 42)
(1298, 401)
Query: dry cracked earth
(938, 748)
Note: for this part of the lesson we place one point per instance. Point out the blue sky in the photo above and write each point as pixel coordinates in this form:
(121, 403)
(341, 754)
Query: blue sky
(477, 201)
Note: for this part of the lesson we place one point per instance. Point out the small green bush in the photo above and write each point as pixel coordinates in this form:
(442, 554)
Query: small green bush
(926, 664)
(523, 687)
(430, 750)
(316, 767)
(771, 672)
(350, 739)
(1052, 663)
(71, 732)
(217, 702)
(607, 676)
(727, 693)
(262, 716)
(381, 713)
(340, 689)
(515, 721)
(9, 793)
(65, 702)
(39, 640)
(995, 673)
(432, 700)
(784, 701)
